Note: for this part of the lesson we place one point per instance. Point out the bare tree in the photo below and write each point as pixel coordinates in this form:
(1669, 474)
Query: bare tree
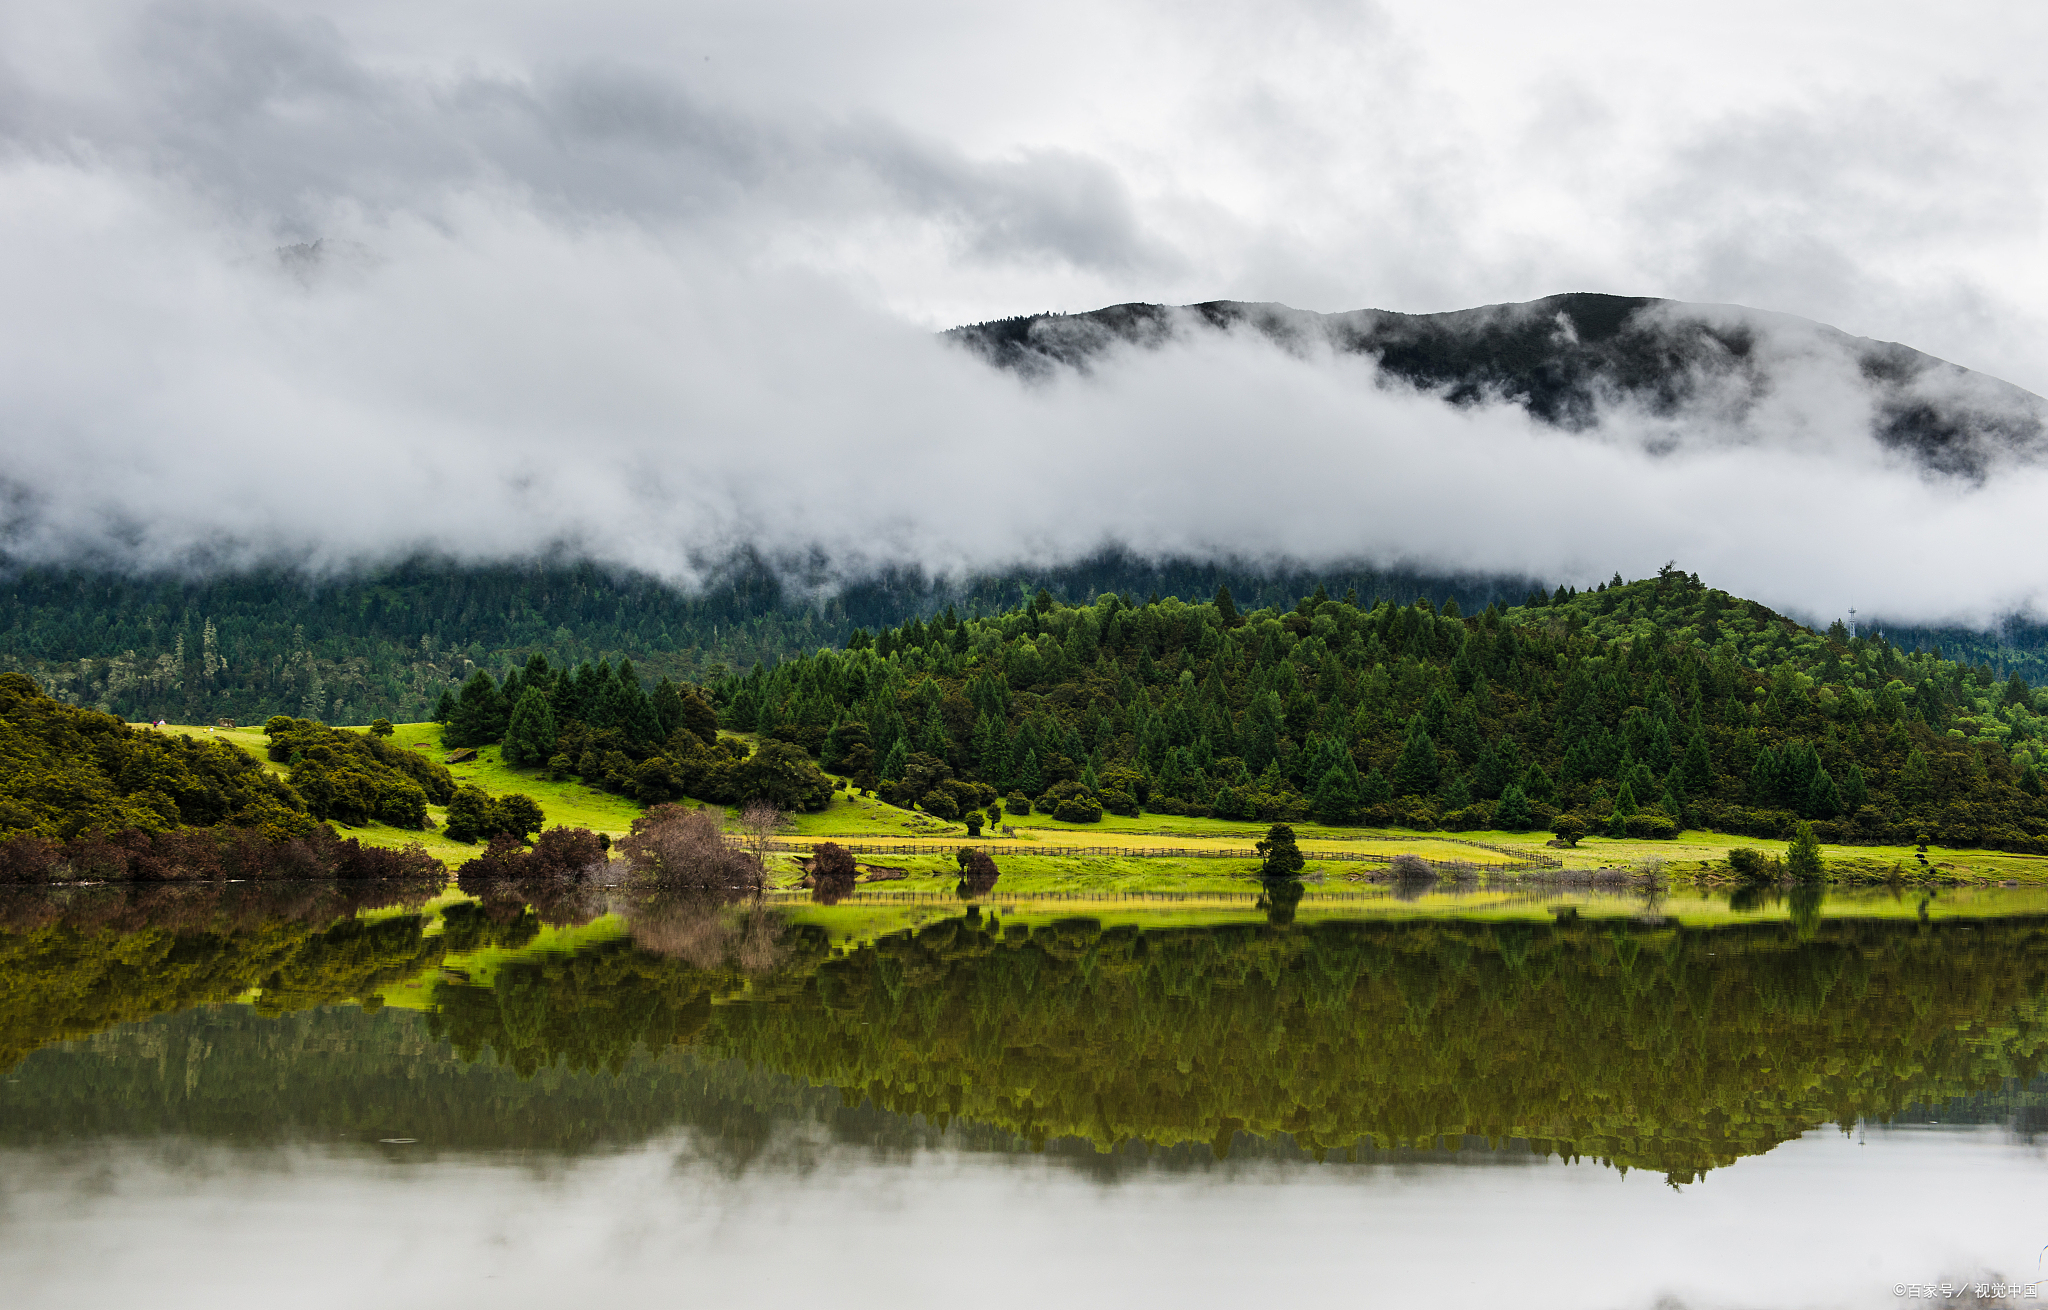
(685, 850)
(759, 820)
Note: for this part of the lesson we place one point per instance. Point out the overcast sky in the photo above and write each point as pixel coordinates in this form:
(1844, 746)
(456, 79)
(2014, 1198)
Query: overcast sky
(650, 279)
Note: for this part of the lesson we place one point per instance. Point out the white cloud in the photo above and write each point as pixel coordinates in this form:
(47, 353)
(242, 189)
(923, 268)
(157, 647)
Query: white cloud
(650, 280)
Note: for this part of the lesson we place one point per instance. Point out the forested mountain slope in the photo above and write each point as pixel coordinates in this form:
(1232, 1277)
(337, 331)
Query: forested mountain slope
(387, 644)
(1645, 707)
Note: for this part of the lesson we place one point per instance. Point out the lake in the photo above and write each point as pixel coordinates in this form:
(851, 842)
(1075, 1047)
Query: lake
(332, 1095)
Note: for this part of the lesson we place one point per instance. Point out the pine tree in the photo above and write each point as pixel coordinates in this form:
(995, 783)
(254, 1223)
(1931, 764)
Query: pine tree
(1029, 780)
(668, 708)
(1336, 800)
(1802, 858)
(1415, 773)
(895, 762)
(479, 715)
(1855, 790)
(1696, 769)
(1513, 813)
(1915, 781)
(1226, 608)
(1822, 799)
(530, 736)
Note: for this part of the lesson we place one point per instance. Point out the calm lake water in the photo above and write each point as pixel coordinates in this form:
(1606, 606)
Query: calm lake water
(329, 1096)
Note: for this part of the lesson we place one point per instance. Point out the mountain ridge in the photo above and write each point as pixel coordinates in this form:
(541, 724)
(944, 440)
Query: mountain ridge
(1570, 359)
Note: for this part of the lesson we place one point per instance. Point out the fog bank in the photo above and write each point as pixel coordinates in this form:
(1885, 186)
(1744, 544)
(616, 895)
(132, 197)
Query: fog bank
(276, 291)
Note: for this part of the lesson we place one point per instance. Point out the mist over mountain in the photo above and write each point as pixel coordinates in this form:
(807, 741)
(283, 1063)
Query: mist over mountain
(1696, 373)
(314, 290)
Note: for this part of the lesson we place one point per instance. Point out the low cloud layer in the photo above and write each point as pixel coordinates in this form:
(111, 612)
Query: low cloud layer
(276, 289)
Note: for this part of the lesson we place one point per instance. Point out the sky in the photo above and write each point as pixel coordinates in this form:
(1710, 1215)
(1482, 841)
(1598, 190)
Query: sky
(649, 281)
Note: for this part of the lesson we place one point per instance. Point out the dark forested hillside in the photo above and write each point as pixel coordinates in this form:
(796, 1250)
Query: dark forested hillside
(1642, 708)
(387, 644)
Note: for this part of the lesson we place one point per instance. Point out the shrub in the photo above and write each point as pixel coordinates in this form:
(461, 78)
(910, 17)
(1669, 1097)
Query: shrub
(1748, 862)
(1652, 827)
(686, 850)
(381, 727)
(1070, 802)
(1017, 804)
(1077, 809)
(973, 821)
(978, 872)
(1410, 868)
(474, 813)
(939, 804)
(1119, 802)
(1569, 828)
(833, 869)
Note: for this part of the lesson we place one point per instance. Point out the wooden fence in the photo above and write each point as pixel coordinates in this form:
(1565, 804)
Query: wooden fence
(1523, 863)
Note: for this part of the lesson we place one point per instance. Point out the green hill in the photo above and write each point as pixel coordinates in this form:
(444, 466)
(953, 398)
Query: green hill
(1645, 706)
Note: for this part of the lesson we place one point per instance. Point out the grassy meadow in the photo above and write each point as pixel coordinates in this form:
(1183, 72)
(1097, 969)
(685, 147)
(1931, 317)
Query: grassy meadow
(857, 819)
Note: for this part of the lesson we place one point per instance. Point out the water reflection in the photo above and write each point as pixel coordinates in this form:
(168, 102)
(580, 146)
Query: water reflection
(1638, 1040)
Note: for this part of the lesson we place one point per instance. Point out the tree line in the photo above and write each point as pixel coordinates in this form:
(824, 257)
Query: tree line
(387, 643)
(601, 724)
(1636, 708)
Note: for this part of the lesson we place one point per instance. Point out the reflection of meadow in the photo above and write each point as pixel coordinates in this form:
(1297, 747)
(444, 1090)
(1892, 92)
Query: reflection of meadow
(1603, 1029)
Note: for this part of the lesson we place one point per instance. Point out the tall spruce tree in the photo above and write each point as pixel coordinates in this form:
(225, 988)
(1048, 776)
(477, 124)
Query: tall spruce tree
(530, 735)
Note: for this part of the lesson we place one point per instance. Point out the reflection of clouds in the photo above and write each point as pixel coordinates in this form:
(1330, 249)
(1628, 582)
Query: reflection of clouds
(1820, 1220)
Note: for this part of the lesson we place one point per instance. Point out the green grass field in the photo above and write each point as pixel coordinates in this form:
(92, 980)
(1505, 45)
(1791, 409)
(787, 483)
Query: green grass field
(852, 818)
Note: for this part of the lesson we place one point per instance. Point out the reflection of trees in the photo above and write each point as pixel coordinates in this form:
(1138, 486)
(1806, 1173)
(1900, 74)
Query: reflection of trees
(1673, 1049)
(653, 989)
(91, 962)
(1663, 1047)
(710, 932)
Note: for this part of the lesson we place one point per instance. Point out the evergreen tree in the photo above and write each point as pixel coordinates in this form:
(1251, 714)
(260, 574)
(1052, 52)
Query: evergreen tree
(1855, 790)
(1513, 813)
(1802, 858)
(1336, 800)
(1823, 801)
(1696, 769)
(932, 737)
(896, 762)
(530, 736)
(1415, 773)
(668, 708)
(637, 717)
(444, 709)
(1915, 780)
(479, 715)
(1029, 780)
(1226, 607)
